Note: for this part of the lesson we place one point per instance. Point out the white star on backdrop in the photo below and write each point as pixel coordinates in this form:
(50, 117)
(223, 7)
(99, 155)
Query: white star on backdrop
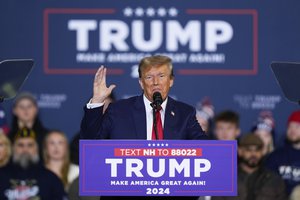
(139, 11)
(128, 12)
(150, 12)
(161, 12)
(173, 12)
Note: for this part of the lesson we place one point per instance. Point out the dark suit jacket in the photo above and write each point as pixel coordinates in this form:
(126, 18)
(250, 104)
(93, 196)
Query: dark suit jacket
(126, 119)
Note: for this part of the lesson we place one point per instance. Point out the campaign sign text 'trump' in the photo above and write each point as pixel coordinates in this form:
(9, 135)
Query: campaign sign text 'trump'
(158, 168)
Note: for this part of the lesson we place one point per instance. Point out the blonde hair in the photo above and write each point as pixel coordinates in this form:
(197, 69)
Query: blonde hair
(7, 147)
(295, 195)
(155, 61)
(64, 171)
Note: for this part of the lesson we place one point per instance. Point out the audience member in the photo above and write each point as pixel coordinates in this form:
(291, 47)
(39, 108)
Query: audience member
(25, 178)
(5, 150)
(255, 182)
(286, 160)
(25, 115)
(264, 128)
(56, 157)
(227, 126)
(205, 114)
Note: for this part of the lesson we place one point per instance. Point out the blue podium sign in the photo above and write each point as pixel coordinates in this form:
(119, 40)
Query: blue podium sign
(158, 168)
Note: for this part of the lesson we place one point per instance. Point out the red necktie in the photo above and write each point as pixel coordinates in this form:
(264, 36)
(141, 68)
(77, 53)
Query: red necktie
(159, 127)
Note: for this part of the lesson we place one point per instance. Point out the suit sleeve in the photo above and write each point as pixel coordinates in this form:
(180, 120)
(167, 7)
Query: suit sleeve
(95, 124)
(195, 132)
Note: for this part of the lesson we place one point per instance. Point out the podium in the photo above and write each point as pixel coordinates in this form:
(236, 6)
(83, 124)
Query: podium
(158, 168)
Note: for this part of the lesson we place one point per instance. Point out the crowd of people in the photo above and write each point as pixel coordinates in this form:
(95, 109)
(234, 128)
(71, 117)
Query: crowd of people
(264, 171)
(39, 163)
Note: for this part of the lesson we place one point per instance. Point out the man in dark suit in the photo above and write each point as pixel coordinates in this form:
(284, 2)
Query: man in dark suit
(133, 118)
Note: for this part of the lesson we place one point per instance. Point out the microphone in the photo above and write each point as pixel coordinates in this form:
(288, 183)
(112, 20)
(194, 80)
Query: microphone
(157, 100)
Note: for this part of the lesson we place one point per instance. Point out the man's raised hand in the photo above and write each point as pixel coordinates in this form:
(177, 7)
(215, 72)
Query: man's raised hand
(100, 90)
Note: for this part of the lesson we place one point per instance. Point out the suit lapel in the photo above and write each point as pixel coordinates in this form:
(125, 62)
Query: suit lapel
(170, 119)
(139, 117)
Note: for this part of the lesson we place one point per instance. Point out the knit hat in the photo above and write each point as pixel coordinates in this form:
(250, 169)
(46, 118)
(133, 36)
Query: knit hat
(294, 117)
(251, 140)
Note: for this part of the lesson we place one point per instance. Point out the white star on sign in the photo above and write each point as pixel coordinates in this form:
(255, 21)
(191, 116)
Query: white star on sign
(161, 12)
(173, 12)
(150, 12)
(139, 12)
(128, 12)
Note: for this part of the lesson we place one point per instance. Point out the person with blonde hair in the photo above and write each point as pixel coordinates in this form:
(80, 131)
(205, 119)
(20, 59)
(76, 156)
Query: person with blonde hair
(295, 195)
(57, 159)
(5, 150)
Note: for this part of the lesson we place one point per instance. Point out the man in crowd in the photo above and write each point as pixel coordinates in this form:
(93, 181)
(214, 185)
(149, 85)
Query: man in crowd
(227, 126)
(286, 161)
(25, 178)
(255, 182)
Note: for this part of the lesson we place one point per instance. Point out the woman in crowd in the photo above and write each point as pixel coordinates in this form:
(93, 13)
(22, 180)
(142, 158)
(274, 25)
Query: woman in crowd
(56, 157)
(5, 150)
(25, 115)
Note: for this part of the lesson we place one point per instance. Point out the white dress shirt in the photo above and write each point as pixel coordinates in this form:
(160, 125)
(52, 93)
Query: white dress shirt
(149, 113)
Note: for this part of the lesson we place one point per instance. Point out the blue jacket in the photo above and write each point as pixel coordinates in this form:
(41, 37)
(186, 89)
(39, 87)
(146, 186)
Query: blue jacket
(126, 119)
(286, 162)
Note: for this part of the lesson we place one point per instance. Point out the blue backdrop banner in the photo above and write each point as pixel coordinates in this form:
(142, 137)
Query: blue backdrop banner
(220, 49)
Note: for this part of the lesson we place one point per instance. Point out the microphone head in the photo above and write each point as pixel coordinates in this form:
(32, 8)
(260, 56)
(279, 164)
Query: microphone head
(157, 99)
